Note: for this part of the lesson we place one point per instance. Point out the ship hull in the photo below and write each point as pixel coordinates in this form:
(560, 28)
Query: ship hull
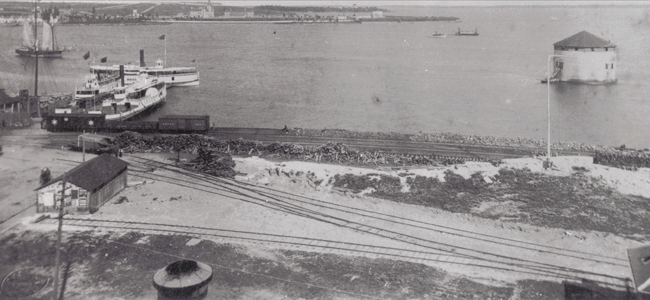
(171, 76)
(41, 53)
(139, 106)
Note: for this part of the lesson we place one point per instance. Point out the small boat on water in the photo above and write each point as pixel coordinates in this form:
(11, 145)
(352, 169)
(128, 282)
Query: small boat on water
(127, 102)
(94, 86)
(467, 33)
(438, 35)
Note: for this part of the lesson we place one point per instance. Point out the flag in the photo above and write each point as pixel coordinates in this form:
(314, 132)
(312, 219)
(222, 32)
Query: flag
(194, 60)
(87, 55)
(162, 37)
(105, 59)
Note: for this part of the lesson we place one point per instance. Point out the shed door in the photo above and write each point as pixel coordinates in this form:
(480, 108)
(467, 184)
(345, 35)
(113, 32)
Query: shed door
(48, 199)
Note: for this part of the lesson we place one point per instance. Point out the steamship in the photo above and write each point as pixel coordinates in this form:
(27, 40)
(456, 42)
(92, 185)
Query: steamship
(172, 76)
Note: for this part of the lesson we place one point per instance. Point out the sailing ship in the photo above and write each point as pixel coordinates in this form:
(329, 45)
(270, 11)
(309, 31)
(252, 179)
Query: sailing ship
(30, 47)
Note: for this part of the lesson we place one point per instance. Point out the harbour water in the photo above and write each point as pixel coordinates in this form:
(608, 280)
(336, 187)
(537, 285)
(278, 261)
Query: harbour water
(381, 76)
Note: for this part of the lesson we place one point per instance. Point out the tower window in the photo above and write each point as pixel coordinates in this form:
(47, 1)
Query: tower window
(612, 66)
(606, 66)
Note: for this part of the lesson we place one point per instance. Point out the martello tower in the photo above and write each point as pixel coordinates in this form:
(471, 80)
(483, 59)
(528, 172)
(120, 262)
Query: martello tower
(585, 58)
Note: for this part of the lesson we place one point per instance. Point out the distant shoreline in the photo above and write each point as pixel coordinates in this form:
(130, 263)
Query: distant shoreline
(397, 19)
(115, 23)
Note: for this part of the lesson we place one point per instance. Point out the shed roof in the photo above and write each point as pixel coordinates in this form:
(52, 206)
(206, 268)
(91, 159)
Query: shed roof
(584, 39)
(96, 138)
(94, 173)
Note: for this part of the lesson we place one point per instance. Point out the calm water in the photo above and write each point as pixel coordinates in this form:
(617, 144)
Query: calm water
(381, 76)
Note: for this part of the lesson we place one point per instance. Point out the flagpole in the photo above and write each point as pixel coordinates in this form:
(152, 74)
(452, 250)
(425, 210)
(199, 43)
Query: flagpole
(165, 49)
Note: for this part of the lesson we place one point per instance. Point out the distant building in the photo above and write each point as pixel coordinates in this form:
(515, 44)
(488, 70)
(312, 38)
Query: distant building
(377, 14)
(205, 12)
(238, 14)
(88, 186)
(359, 15)
(135, 14)
(585, 58)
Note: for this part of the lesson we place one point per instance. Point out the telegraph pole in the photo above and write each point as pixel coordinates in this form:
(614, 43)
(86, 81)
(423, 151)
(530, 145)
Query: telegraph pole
(57, 258)
(38, 108)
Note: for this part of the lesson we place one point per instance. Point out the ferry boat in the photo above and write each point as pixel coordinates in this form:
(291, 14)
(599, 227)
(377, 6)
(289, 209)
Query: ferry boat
(438, 35)
(127, 102)
(94, 87)
(172, 76)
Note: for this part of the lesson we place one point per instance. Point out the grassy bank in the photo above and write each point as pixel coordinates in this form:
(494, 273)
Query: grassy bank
(121, 267)
(576, 202)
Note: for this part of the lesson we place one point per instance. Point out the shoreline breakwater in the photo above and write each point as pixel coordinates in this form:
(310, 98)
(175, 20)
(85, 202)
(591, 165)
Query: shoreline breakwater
(340, 153)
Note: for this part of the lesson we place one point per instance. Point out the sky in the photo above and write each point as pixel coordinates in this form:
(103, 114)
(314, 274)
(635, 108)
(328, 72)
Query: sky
(422, 3)
(367, 2)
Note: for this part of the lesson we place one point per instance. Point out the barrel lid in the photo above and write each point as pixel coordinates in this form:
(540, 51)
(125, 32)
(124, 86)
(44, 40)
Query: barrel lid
(182, 274)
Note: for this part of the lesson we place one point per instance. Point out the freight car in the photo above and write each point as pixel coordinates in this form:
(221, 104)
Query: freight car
(175, 123)
(74, 122)
(98, 123)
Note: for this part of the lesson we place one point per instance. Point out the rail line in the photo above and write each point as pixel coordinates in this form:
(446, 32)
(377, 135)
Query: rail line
(365, 213)
(581, 255)
(339, 217)
(454, 150)
(271, 135)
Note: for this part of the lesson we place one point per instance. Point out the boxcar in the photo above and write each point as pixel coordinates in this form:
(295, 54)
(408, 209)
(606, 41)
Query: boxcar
(97, 122)
(74, 122)
(184, 123)
(139, 126)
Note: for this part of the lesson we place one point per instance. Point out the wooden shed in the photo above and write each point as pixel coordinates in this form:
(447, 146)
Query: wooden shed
(12, 110)
(88, 186)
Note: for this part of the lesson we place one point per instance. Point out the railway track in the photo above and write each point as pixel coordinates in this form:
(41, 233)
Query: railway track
(431, 243)
(418, 241)
(55, 140)
(297, 243)
(387, 145)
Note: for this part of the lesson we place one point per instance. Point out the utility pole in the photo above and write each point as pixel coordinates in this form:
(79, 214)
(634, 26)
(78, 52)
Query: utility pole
(38, 108)
(36, 67)
(548, 109)
(57, 258)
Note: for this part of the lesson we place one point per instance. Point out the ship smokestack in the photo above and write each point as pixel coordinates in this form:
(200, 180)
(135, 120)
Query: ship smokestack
(142, 57)
(122, 74)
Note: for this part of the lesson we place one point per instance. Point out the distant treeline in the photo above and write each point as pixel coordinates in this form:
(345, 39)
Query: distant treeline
(281, 8)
